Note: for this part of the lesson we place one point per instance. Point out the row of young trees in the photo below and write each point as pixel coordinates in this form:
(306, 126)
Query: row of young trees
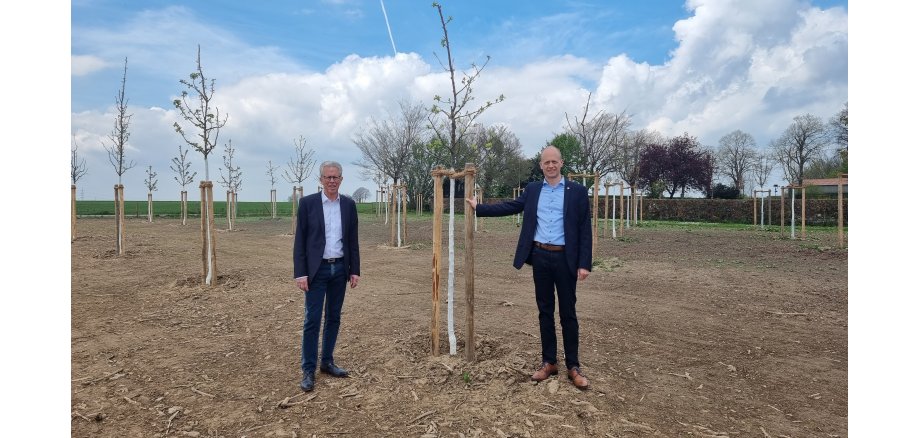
(201, 122)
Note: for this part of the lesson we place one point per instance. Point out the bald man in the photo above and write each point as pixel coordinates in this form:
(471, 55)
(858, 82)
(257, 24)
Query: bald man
(556, 241)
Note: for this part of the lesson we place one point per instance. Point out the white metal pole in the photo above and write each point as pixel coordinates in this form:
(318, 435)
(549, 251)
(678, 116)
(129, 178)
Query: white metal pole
(398, 219)
(628, 207)
(450, 275)
(792, 222)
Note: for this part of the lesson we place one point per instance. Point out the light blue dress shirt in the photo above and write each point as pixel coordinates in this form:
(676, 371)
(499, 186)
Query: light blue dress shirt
(550, 214)
(332, 216)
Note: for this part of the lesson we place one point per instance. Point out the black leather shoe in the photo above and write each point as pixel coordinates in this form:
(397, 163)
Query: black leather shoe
(333, 370)
(307, 383)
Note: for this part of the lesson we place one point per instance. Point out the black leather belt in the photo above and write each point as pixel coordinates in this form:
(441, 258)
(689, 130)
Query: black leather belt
(331, 261)
(548, 247)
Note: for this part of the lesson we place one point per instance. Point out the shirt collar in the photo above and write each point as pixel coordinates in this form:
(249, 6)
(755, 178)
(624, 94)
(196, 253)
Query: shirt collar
(561, 182)
(326, 198)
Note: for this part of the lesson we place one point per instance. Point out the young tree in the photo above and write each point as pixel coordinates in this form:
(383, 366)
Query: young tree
(274, 195)
(271, 174)
(385, 145)
(600, 136)
(77, 164)
(450, 118)
(300, 166)
(801, 143)
(120, 133)
(205, 118)
(77, 170)
(184, 176)
(151, 183)
(233, 180)
(116, 152)
(736, 155)
(202, 115)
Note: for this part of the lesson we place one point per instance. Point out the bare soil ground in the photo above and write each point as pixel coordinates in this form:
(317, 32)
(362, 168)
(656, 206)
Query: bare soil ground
(685, 331)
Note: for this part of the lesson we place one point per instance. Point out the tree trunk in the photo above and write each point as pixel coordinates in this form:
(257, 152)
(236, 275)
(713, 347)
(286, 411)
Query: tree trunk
(119, 219)
(73, 212)
(208, 245)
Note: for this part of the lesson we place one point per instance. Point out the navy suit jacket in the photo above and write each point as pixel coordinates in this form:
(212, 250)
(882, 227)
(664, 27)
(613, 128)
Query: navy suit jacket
(576, 221)
(310, 235)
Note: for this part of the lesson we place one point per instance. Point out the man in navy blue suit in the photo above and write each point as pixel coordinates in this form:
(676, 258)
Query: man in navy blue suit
(556, 241)
(326, 258)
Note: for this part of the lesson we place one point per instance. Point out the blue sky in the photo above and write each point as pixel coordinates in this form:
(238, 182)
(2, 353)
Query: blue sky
(324, 68)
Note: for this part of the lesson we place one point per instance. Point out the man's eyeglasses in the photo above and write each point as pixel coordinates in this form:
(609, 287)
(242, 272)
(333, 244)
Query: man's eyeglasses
(332, 178)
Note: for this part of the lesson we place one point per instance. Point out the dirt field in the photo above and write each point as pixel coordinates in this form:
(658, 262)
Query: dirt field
(685, 331)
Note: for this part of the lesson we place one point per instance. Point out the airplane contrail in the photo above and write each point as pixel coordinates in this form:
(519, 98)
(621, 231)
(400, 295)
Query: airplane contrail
(388, 26)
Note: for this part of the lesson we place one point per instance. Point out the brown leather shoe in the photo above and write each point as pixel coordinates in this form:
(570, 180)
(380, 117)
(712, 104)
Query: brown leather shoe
(546, 369)
(577, 378)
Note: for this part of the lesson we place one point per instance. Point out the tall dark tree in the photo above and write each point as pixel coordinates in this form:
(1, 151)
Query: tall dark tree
(680, 165)
(736, 155)
(628, 157)
(599, 137)
(385, 145)
(801, 143)
(501, 164)
(840, 131)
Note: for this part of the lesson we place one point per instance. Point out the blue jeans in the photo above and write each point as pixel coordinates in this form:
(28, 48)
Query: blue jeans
(551, 278)
(327, 286)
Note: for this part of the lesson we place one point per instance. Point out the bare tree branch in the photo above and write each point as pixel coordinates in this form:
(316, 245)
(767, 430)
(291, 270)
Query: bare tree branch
(182, 168)
(120, 133)
(600, 138)
(736, 157)
(205, 119)
(77, 164)
(271, 173)
(386, 145)
(234, 178)
(457, 118)
(300, 166)
(802, 142)
(151, 180)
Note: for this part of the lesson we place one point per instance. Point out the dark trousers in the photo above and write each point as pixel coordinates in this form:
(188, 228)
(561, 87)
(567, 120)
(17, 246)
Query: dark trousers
(551, 278)
(328, 287)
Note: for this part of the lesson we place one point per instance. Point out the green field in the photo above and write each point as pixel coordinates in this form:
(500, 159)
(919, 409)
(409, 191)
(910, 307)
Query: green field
(172, 208)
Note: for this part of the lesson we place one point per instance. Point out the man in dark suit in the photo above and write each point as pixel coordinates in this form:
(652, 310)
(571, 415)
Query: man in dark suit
(556, 241)
(326, 257)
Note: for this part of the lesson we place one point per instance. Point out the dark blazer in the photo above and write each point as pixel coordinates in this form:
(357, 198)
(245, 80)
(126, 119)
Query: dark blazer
(310, 235)
(576, 221)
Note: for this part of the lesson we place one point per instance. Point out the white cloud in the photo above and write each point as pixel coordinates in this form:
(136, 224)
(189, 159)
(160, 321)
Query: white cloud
(81, 65)
(740, 65)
